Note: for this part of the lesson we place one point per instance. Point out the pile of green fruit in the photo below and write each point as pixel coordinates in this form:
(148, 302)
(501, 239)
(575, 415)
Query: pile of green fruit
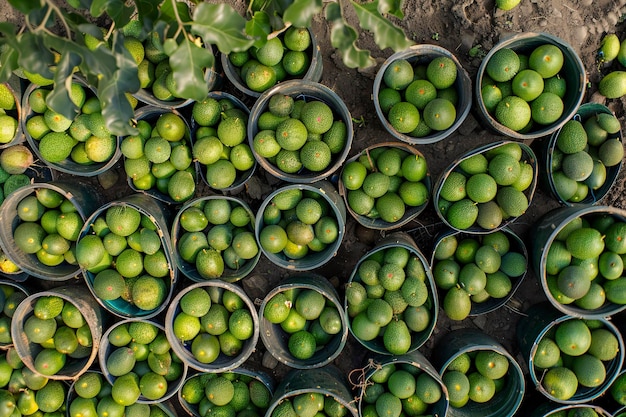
(209, 324)
(387, 183)
(296, 223)
(57, 330)
(160, 157)
(124, 260)
(573, 356)
(612, 83)
(419, 98)
(525, 91)
(395, 389)
(9, 114)
(303, 404)
(83, 140)
(91, 395)
(299, 136)
(476, 269)
(24, 392)
(389, 300)
(10, 297)
(309, 320)
(487, 189)
(220, 145)
(582, 152)
(138, 355)
(284, 57)
(15, 161)
(618, 389)
(215, 237)
(233, 392)
(49, 227)
(476, 378)
(584, 264)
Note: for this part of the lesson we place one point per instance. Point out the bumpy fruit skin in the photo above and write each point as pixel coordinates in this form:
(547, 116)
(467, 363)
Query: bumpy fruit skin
(613, 85)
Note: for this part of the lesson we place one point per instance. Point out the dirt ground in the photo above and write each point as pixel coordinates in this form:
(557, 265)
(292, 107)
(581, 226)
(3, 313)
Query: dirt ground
(457, 25)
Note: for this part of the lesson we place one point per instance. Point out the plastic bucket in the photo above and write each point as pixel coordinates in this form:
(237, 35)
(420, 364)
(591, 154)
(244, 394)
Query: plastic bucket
(491, 303)
(242, 373)
(416, 363)
(327, 380)
(554, 410)
(15, 88)
(188, 268)
(410, 213)
(308, 91)
(222, 362)
(313, 259)
(391, 241)
(423, 55)
(14, 294)
(276, 340)
(68, 165)
(441, 205)
(82, 196)
(242, 176)
(544, 233)
(159, 216)
(548, 161)
(466, 340)
(94, 317)
(159, 190)
(314, 73)
(106, 348)
(573, 72)
(540, 320)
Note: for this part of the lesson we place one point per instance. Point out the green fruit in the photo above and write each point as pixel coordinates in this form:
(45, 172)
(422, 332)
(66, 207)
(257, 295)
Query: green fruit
(613, 85)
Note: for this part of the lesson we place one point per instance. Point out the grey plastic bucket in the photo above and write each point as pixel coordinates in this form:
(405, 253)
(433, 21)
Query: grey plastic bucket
(14, 86)
(403, 240)
(415, 360)
(313, 259)
(517, 245)
(276, 340)
(222, 363)
(573, 72)
(106, 348)
(528, 155)
(422, 55)
(242, 176)
(546, 157)
(552, 410)
(327, 380)
(467, 340)
(80, 297)
(314, 73)
(84, 198)
(308, 91)
(18, 293)
(544, 232)
(538, 321)
(151, 114)
(67, 165)
(188, 269)
(160, 217)
(411, 212)
(247, 372)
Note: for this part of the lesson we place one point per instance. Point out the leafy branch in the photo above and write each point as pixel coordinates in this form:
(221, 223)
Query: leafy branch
(186, 35)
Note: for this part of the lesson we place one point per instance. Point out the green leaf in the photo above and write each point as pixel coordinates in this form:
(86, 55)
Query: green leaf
(386, 34)
(36, 57)
(80, 4)
(221, 25)
(120, 13)
(99, 6)
(258, 27)
(343, 37)
(393, 7)
(301, 12)
(8, 63)
(188, 63)
(59, 98)
(169, 15)
(26, 6)
(147, 10)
